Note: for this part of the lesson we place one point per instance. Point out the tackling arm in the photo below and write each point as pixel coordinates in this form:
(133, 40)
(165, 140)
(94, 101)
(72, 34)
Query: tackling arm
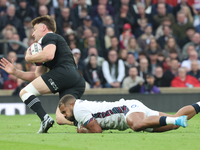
(92, 127)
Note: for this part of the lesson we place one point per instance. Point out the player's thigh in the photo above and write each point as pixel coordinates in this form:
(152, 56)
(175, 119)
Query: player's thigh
(38, 84)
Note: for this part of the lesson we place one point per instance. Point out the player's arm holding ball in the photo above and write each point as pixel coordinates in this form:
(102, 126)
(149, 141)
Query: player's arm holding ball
(47, 54)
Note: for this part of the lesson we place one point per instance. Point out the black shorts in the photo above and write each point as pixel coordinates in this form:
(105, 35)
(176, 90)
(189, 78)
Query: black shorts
(65, 80)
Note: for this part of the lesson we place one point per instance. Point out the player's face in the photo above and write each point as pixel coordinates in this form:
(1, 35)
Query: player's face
(67, 111)
(37, 31)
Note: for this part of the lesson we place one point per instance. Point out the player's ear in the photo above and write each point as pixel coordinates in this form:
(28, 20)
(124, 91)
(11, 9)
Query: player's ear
(44, 27)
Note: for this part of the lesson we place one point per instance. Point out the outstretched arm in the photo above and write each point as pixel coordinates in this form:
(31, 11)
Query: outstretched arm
(28, 76)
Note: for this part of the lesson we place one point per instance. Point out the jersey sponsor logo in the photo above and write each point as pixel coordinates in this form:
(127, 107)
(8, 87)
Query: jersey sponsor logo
(134, 106)
(53, 84)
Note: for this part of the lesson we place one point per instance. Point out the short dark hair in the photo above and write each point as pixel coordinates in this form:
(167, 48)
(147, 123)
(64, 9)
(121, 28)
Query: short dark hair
(47, 20)
(66, 99)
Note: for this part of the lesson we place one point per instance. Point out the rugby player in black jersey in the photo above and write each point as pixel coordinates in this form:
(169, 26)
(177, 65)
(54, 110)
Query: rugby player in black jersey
(58, 73)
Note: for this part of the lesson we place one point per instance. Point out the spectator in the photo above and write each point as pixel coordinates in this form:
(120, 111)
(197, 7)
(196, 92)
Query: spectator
(114, 44)
(87, 23)
(159, 30)
(171, 72)
(181, 5)
(187, 63)
(173, 54)
(133, 47)
(167, 34)
(16, 47)
(24, 11)
(188, 13)
(130, 62)
(160, 80)
(143, 68)
(133, 79)
(172, 45)
(73, 44)
(148, 87)
(60, 5)
(107, 38)
(11, 18)
(69, 35)
(190, 31)
(3, 7)
(126, 35)
(195, 71)
(154, 62)
(141, 55)
(93, 73)
(161, 8)
(197, 22)
(93, 51)
(81, 5)
(43, 10)
(140, 30)
(79, 63)
(11, 83)
(113, 70)
(123, 16)
(46, 3)
(161, 57)
(166, 63)
(83, 42)
(1, 81)
(179, 28)
(109, 8)
(195, 42)
(27, 26)
(66, 17)
(184, 80)
(118, 3)
(142, 15)
(123, 54)
(154, 9)
(89, 43)
(152, 47)
(108, 22)
(98, 21)
(8, 28)
(145, 38)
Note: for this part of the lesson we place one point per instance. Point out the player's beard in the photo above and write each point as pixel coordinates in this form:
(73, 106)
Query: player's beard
(70, 118)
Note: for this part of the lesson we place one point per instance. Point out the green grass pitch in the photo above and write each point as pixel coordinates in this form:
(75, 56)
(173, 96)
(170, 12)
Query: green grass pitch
(19, 133)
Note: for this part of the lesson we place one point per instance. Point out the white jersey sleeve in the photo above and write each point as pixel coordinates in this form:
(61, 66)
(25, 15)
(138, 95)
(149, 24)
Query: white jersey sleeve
(82, 114)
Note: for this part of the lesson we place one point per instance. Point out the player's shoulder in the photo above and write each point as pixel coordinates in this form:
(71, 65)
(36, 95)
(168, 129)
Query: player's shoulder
(51, 35)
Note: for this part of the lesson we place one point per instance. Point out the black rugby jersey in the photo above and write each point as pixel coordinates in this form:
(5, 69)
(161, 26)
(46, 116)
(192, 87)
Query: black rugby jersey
(63, 55)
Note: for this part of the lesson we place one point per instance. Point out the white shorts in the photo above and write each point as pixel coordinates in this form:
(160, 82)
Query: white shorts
(137, 106)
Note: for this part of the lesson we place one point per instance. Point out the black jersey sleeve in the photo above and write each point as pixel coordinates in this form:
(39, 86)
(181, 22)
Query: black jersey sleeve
(49, 39)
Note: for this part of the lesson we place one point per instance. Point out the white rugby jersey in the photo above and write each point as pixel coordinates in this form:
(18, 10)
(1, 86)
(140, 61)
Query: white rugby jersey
(109, 115)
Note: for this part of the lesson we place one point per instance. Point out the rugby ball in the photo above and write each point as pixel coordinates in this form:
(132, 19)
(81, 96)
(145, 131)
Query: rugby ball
(34, 49)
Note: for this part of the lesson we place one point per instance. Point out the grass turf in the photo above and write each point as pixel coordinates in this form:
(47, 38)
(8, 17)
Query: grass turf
(19, 133)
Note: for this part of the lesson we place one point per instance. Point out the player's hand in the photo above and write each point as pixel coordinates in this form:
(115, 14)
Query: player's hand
(7, 66)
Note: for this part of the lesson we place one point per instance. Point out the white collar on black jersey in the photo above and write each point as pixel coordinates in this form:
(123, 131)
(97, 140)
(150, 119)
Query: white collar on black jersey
(40, 41)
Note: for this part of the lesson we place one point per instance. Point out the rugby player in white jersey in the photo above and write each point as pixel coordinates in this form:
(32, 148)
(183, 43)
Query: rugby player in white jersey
(93, 116)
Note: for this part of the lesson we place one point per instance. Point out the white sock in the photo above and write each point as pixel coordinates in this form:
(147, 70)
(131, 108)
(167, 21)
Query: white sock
(198, 103)
(171, 120)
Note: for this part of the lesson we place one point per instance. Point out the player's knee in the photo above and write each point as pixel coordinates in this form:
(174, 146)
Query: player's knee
(22, 92)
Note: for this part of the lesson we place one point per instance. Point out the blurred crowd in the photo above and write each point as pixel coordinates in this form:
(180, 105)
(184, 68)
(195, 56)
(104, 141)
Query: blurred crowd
(139, 45)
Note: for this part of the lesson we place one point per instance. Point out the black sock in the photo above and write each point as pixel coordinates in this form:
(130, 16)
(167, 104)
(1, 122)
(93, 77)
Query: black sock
(34, 103)
(196, 107)
(163, 120)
